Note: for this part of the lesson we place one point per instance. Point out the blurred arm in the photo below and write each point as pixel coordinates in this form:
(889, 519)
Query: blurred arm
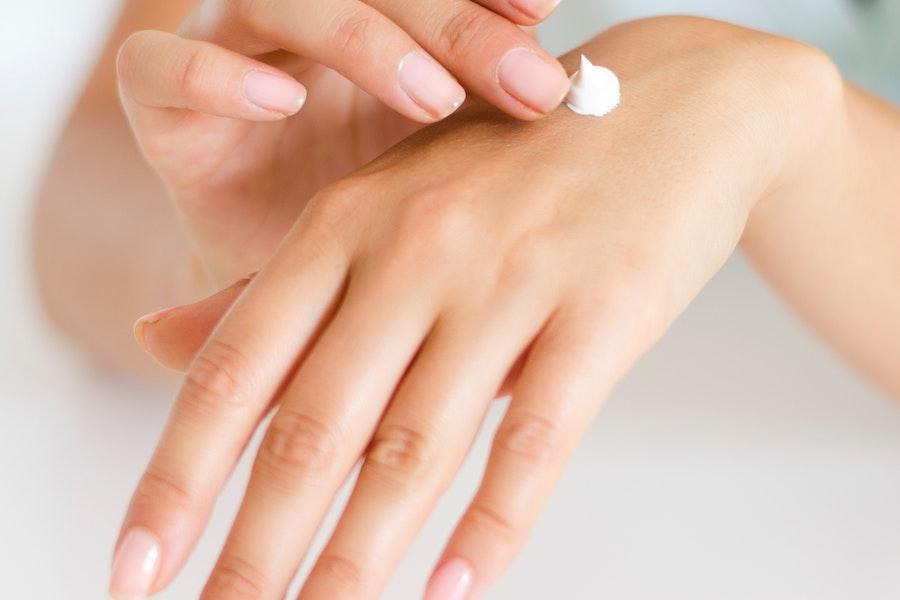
(833, 249)
(107, 246)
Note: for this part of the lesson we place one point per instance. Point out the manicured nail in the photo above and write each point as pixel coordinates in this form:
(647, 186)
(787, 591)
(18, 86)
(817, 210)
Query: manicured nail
(451, 581)
(532, 80)
(135, 566)
(536, 9)
(141, 324)
(274, 93)
(429, 85)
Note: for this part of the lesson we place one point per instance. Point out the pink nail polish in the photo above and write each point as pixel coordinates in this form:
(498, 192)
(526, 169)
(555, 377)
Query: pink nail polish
(429, 85)
(274, 93)
(532, 80)
(451, 581)
(135, 566)
(536, 9)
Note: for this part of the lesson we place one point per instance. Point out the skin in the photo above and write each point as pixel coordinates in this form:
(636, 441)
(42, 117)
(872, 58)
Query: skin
(371, 334)
(370, 43)
(90, 202)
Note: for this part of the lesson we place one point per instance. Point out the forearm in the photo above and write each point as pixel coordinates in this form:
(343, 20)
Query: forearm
(107, 245)
(831, 249)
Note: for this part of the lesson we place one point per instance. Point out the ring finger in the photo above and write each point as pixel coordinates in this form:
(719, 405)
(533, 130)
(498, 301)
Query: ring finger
(328, 413)
(422, 440)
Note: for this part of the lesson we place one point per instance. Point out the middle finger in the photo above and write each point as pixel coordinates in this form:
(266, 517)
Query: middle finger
(327, 415)
(424, 437)
(490, 55)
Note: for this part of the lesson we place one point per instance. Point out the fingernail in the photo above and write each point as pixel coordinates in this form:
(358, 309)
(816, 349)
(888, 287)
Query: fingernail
(431, 87)
(536, 9)
(274, 93)
(451, 581)
(135, 565)
(532, 80)
(141, 324)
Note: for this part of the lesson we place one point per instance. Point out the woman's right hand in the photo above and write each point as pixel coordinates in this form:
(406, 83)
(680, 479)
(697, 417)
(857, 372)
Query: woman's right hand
(209, 106)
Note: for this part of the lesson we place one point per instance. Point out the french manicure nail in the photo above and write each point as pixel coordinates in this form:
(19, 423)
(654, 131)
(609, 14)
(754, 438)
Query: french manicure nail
(274, 93)
(135, 566)
(536, 9)
(451, 581)
(429, 85)
(532, 80)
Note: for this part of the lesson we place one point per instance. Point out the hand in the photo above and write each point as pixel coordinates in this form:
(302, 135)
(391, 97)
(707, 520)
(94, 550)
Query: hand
(211, 121)
(406, 294)
(239, 176)
(397, 50)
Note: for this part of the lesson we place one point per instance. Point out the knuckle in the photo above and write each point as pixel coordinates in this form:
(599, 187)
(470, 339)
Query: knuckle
(529, 437)
(333, 206)
(160, 489)
(465, 29)
(342, 574)
(528, 258)
(235, 578)
(624, 303)
(296, 442)
(401, 454)
(498, 526)
(352, 32)
(436, 227)
(193, 73)
(218, 378)
(332, 215)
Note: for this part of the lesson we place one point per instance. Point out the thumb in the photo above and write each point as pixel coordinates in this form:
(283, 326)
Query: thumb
(174, 336)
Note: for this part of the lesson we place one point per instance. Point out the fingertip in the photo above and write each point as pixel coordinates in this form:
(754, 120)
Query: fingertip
(538, 84)
(452, 580)
(433, 90)
(281, 96)
(135, 566)
(533, 11)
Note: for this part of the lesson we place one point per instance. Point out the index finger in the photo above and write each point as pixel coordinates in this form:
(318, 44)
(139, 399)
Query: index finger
(228, 389)
(349, 36)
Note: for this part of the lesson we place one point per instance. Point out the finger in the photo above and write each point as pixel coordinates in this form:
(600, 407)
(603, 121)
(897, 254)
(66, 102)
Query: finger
(569, 371)
(160, 70)
(327, 414)
(227, 390)
(422, 440)
(174, 336)
(522, 12)
(491, 56)
(357, 41)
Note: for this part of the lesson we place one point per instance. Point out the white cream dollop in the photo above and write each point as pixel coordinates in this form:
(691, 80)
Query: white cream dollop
(595, 90)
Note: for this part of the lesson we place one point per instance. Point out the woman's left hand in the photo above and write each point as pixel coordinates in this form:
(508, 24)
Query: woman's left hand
(551, 254)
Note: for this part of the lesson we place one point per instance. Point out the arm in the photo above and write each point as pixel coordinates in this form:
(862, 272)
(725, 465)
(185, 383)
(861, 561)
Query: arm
(106, 243)
(831, 248)
(106, 246)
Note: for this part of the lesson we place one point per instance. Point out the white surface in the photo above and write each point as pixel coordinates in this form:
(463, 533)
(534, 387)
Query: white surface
(738, 461)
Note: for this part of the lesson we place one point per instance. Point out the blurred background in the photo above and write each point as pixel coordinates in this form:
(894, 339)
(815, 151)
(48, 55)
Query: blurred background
(739, 460)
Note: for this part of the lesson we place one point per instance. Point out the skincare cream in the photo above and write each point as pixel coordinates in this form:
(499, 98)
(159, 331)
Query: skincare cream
(595, 90)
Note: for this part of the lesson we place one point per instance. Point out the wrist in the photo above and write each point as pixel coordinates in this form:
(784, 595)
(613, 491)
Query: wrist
(810, 123)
